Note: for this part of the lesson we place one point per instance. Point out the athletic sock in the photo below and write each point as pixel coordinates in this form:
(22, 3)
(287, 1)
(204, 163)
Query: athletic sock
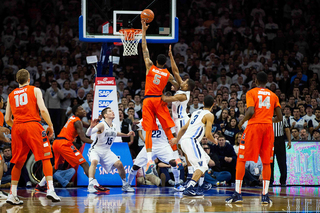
(132, 174)
(265, 188)
(124, 181)
(238, 186)
(13, 190)
(50, 185)
(201, 181)
(176, 154)
(149, 156)
(176, 175)
(90, 180)
(43, 181)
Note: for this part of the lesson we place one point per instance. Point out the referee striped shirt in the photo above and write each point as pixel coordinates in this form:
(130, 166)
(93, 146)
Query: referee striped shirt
(278, 128)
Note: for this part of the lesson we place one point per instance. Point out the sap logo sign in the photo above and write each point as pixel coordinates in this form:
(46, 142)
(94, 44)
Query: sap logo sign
(104, 93)
(104, 103)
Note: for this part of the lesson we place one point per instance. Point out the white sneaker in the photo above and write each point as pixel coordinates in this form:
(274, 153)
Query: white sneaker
(3, 195)
(53, 196)
(91, 188)
(14, 200)
(127, 188)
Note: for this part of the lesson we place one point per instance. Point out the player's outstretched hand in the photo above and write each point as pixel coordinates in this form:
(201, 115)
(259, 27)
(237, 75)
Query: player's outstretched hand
(170, 52)
(50, 132)
(5, 131)
(144, 25)
(240, 125)
(173, 141)
(94, 122)
(131, 133)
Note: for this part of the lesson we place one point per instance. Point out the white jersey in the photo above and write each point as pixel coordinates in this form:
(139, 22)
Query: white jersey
(105, 139)
(196, 128)
(179, 109)
(158, 136)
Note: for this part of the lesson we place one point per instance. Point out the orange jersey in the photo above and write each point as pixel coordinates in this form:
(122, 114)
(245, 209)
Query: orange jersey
(24, 105)
(69, 131)
(1, 119)
(156, 81)
(264, 102)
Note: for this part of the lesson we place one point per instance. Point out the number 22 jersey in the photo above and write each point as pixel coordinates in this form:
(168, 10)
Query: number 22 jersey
(105, 139)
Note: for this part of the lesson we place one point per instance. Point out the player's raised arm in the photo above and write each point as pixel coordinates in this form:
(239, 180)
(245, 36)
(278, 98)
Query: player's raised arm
(79, 127)
(44, 111)
(208, 119)
(145, 50)
(94, 127)
(174, 67)
(173, 82)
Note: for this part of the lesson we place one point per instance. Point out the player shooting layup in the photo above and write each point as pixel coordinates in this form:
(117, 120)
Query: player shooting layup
(258, 137)
(156, 80)
(24, 104)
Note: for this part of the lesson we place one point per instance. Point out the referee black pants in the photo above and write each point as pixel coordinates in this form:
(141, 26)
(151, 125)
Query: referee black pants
(280, 154)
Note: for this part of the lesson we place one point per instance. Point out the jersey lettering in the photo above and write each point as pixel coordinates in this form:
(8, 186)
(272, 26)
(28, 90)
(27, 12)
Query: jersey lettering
(265, 102)
(109, 141)
(21, 99)
(156, 79)
(195, 118)
(156, 134)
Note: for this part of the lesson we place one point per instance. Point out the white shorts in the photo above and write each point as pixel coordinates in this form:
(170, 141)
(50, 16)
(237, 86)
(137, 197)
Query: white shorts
(164, 154)
(197, 157)
(105, 157)
(179, 123)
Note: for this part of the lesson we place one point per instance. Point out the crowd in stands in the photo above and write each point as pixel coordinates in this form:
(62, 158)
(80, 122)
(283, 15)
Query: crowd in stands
(222, 46)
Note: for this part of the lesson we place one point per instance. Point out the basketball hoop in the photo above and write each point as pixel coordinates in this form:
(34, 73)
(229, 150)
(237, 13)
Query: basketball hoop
(130, 39)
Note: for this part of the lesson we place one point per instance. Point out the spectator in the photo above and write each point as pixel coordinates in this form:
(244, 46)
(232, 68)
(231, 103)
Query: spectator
(227, 156)
(297, 121)
(304, 135)
(230, 131)
(295, 134)
(53, 99)
(253, 173)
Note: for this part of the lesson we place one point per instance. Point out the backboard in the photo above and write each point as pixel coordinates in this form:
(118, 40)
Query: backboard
(101, 20)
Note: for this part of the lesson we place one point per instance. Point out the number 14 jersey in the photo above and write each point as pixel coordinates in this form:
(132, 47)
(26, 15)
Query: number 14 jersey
(264, 102)
(105, 139)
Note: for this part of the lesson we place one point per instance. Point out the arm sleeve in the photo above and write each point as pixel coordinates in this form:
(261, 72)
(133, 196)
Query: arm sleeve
(91, 131)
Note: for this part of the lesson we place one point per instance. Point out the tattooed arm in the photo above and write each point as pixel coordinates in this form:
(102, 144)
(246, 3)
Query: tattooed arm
(145, 50)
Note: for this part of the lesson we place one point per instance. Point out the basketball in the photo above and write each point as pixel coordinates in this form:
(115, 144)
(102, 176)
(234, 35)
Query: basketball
(148, 15)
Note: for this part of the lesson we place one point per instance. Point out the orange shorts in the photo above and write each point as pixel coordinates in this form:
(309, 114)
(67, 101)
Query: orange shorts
(154, 106)
(26, 136)
(257, 139)
(65, 150)
(0, 158)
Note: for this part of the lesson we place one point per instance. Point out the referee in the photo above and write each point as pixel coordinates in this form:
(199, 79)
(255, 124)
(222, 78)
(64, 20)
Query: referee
(280, 149)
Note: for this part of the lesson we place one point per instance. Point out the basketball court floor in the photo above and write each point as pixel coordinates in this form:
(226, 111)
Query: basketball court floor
(165, 199)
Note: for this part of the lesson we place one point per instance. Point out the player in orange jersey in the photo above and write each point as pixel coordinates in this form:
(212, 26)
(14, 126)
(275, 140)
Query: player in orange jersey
(64, 149)
(258, 137)
(27, 133)
(157, 78)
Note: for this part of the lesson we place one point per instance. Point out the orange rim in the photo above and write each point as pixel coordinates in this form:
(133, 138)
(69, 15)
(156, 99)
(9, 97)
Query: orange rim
(129, 34)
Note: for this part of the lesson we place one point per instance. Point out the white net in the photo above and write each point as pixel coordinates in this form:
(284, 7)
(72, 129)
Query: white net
(130, 39)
